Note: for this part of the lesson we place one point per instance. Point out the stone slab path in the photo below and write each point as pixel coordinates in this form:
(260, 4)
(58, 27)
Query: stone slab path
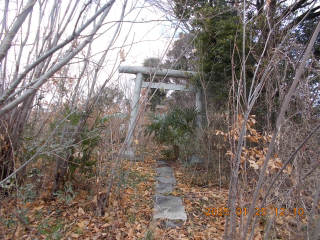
(167, 206)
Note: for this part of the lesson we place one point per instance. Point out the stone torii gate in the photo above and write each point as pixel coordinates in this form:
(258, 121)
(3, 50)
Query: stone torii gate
(140, 72)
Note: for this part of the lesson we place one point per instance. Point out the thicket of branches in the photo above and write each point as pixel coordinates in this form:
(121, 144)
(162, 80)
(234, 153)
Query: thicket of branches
(259, 66)
(57, 101)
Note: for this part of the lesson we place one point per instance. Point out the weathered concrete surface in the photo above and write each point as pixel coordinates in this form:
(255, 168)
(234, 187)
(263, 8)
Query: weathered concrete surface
(164, 187)
(128, 154)
(170, 180)
(160, 163)
(169, 207)
(164, 171)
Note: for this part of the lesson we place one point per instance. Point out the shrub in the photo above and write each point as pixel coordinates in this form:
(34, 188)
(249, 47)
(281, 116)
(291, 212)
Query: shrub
(173, 128)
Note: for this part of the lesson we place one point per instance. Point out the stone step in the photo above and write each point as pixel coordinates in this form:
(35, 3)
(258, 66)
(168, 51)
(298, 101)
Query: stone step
(170, 180)
(165, 180)
(161, 163)
(164, 171)
(169, 207)
(164, 187)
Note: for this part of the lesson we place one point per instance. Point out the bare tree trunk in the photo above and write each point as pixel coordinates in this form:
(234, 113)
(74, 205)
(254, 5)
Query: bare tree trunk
(6, 42)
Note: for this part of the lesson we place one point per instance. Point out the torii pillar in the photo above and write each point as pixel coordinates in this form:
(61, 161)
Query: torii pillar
(140, 72)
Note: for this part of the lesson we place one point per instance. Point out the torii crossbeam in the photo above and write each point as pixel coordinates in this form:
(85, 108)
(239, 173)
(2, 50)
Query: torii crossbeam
(150, 72)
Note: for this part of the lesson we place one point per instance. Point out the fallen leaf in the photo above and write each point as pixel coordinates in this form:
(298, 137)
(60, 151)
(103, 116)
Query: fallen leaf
(213, 229)
(253, 164)
(105, 225)
(132, 210)
(129, 191)
(74, 235)
(288, 169)
(38, 208)
(81, 224)
(118, 237)
(81, 211)
(130, 232)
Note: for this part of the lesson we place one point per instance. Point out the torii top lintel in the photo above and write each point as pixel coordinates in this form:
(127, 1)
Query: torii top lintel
(156, 71)
(160, 73)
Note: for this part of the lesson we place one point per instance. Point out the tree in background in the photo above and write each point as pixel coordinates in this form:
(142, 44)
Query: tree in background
(215, 46)
(157, 95)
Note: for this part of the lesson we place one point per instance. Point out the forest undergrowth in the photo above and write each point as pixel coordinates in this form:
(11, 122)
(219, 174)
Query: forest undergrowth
(129, 213)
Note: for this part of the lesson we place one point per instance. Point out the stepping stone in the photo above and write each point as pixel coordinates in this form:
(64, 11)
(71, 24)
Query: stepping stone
(169, 207)
(170, 180)
(164, 171)
(159, 163)
(164, 187)
(128, 154)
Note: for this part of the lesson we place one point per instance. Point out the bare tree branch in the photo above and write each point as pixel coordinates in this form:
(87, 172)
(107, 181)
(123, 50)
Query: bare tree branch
(6, 43)
(277, 128)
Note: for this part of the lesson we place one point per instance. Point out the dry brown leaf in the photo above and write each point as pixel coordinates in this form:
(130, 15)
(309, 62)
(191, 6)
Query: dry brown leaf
(81, 224)
(130, 232)
(81, 211)
(38, 208)
(129, 191)
(132, 210)
(74, 235)
(105, 225)
(253, 164)
(96, 229)
(288, 169)
(118, 237)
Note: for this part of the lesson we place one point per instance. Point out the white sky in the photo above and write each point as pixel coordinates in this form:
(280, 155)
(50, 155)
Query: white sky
(151, 36)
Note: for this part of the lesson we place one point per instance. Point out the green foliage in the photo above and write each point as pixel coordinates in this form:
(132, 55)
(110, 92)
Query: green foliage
(216, 46)
(27, 193)
(173, 128)
(73, 118)
(11, 221)
(81, 158)
(150, 234)
(67, 195)
(52, 232)
(80, 155)
(213, 46)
